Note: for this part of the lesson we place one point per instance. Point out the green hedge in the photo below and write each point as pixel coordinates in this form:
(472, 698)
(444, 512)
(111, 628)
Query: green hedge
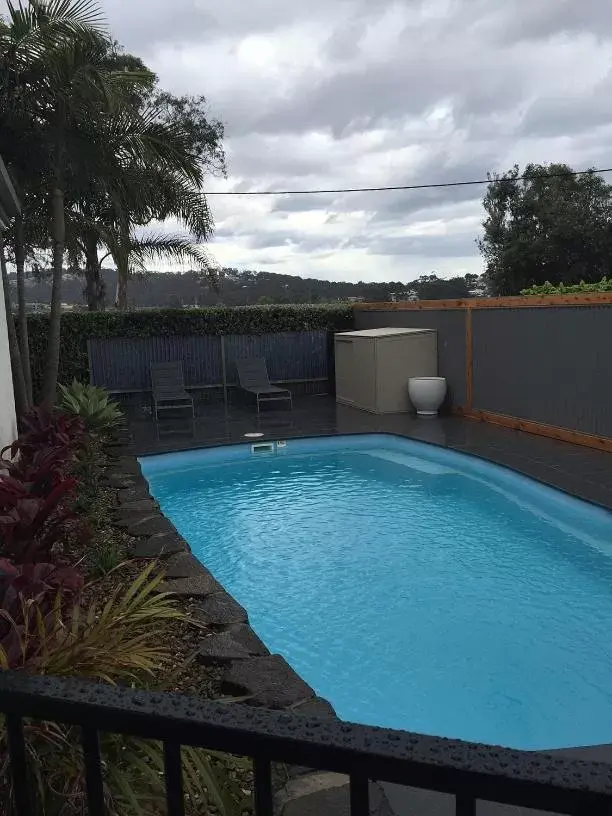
(582, 288)
(77, 327)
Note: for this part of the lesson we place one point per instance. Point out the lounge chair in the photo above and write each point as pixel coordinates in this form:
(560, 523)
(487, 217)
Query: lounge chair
(253, 378)
(169, 388)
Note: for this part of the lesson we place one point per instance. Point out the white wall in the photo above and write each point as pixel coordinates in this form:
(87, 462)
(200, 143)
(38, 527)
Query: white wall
(8, 423)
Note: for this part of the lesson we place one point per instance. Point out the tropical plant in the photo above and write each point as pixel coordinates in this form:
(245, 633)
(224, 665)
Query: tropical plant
(44, 428)
(30, 525)
(132, 772)
(41, 471)
(114, 641)
(27, 589)
(92, 404)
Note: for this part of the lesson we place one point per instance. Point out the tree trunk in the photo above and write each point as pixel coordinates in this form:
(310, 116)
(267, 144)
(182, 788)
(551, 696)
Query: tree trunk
(95, 289)
(121, 291)
(58, 227)
(24, 342)
(122, 262)
(19, 386)
(58, 234)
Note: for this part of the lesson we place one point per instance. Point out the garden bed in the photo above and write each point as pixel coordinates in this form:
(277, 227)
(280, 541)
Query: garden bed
(97, 583)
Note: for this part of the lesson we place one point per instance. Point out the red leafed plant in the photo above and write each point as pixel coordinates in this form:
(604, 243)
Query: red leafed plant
(31, 524)
(41, 471)
(26, 589)
(45, 429)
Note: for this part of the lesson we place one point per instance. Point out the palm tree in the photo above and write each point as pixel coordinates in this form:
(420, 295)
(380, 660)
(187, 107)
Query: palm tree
(147, 171)
(54, 75)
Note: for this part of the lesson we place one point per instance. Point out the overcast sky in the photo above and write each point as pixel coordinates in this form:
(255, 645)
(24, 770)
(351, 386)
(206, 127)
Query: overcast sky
(335, 93)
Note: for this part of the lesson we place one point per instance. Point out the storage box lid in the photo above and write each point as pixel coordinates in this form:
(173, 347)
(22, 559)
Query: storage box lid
(388, 331)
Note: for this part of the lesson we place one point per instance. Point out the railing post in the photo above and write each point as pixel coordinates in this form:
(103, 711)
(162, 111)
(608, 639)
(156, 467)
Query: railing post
(262, 772)
(19, 765)
(359, 793)
(465, 805)
(93, 772)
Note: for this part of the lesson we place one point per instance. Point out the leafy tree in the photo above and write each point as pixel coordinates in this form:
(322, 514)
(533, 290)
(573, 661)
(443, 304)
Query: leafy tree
(546, 224)
(431, 287)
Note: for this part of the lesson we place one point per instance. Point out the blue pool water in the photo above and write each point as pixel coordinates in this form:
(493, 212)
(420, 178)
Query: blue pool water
(413, 587)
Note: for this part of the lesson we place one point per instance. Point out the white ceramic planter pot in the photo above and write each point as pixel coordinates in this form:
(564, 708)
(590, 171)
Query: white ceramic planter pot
(427, 394)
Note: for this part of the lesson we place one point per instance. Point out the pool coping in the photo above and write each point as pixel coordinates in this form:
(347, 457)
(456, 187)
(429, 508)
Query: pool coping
(580, 472)
(251, 671)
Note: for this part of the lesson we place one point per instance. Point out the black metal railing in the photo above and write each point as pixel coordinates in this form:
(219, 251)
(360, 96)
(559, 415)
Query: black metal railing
(469, 771)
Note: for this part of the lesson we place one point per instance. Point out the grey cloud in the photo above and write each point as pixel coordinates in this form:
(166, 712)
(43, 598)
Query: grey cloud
(254, 153)
(486, 66)
(141, 26)
(303, 203)
(546, 18)
(568, 115)
(141, 23)
(265, 240)
(440, 168)
(427, 246)
(369, 96)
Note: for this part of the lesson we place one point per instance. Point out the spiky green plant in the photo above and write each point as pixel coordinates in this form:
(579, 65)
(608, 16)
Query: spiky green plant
(93, 404)
(115, 641)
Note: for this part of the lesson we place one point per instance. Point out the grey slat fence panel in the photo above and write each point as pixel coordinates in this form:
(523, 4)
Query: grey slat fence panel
(450, 325)
(123, 363)
(549, 365)
(290, 356)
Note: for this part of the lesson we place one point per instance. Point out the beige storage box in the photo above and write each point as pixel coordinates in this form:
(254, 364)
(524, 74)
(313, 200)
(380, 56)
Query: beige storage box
(373, 366)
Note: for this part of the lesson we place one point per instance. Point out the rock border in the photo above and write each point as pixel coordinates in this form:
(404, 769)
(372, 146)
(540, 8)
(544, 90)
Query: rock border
(250, 670)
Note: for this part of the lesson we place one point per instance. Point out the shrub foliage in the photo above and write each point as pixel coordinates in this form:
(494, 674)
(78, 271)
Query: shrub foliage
(582, 288)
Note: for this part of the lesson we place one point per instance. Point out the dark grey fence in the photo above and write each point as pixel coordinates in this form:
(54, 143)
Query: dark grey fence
(546, 364)
(450, 325)
(123, 364)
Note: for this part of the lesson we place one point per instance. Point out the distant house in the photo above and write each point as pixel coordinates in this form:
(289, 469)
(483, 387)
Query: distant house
(9, 207)
(406, 294)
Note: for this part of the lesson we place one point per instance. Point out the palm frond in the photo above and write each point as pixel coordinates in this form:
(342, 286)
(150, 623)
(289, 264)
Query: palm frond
(42, 25)
(176, 247)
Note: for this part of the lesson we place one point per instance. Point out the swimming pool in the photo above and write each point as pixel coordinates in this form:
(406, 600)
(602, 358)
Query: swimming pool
(412, 586)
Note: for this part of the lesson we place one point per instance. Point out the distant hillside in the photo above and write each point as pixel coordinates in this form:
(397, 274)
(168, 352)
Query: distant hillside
(239, 288)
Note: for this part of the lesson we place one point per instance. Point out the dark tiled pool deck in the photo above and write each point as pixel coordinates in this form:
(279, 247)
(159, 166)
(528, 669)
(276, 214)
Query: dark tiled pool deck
(580, 471)
(584, 472)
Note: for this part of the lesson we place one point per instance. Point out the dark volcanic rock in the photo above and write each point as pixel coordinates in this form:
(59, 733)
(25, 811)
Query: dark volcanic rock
(269, 681)
(197, 586)
(158, 546)
(120, 481)
(147, 524)
(245, 636)
(127, 464)
(221, 648)
(183, 565)
(128, 510)
(135, 493)
(317, 707)
(219, 609)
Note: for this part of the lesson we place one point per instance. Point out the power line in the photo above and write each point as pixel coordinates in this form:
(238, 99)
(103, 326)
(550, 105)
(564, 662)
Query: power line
(401, 186)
